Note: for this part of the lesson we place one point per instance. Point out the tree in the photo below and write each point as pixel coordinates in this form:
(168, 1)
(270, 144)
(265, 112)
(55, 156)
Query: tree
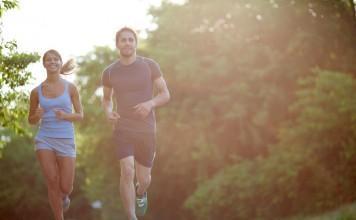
(13, 76)
(232, 67)
(311, 169)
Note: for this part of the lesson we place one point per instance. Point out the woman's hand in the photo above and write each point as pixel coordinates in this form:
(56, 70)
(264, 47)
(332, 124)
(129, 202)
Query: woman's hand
(60, 114)
(39, 112)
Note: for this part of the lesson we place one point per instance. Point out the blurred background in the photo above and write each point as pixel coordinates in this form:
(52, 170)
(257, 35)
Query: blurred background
(261, 123)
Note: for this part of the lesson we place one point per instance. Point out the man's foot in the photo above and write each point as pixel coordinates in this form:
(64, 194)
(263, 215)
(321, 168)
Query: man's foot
(66, 203)
(141, 204)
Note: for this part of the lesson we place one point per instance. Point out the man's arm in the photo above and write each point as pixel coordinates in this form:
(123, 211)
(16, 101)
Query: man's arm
(162, 97)
(107, 100)
(107, 105)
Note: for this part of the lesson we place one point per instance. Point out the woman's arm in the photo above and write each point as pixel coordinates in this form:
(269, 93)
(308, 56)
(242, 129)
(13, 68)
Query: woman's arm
(78, 110)
(35, 111)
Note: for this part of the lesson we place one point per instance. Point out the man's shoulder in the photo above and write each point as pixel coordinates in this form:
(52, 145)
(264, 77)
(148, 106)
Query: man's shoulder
(147, 60)
(110, 66)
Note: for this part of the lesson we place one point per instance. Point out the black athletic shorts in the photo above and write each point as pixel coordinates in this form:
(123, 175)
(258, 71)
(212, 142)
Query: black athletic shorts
(141, 145)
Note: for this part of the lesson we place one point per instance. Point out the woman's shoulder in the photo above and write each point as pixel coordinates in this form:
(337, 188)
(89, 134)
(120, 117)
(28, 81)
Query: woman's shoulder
(35, 90)
(71, 86)
(69, 83)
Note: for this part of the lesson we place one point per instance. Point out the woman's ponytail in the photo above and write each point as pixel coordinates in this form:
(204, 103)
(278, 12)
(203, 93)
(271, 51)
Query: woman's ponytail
(68, 67)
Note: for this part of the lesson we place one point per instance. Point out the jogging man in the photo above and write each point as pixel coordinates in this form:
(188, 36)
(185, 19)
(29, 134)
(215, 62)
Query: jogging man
(132, 79)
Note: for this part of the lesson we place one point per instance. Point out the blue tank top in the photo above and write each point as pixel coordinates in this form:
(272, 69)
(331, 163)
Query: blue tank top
(51, 126)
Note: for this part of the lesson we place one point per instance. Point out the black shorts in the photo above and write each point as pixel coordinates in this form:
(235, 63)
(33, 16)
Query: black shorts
(138, 144)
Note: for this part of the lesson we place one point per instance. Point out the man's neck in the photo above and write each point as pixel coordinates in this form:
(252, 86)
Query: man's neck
(128, 60)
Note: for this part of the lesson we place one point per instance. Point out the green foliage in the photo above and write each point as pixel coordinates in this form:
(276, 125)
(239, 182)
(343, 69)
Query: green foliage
(311, 169)
(13, 76)
(232, 68)
(22, 186)
(7, 5)
(236, 63)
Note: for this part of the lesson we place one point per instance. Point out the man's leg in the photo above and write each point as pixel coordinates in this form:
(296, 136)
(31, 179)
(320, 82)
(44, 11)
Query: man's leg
(144, 156)
(127, 188)
(143, 176)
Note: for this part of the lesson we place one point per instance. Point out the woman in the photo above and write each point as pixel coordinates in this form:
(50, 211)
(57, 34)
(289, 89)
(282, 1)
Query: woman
(51, 105)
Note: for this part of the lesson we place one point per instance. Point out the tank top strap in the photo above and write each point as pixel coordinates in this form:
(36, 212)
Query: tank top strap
(66, 87)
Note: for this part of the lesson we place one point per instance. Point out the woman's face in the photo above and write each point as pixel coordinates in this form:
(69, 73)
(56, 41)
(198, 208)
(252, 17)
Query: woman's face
(52, 63)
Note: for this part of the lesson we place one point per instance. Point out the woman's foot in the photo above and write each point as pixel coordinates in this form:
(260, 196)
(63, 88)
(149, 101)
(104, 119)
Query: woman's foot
(66, 203)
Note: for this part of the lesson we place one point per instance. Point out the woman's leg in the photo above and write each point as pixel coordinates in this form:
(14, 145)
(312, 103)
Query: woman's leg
(49, 167)
(66, 166)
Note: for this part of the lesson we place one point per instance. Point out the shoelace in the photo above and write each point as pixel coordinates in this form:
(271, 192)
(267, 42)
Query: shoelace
(140, 202)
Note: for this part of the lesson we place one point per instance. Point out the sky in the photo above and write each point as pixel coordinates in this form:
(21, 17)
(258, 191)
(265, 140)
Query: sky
(73, 27)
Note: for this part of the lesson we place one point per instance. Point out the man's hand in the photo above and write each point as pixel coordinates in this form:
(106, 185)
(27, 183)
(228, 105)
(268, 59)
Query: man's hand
(112, 117)
(143, 109)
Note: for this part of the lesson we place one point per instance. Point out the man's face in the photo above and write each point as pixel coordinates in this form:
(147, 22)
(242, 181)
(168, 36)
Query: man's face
(126, 44)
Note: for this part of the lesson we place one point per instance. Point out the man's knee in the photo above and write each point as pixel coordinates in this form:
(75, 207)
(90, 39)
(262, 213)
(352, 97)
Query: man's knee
(144, 180)
(127, 172)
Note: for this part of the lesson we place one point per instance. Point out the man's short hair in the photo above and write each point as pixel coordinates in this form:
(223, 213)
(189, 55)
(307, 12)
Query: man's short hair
(118, 33)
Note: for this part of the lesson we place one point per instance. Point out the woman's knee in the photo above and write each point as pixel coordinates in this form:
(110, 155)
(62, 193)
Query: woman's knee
(52, 181)
(66, 188)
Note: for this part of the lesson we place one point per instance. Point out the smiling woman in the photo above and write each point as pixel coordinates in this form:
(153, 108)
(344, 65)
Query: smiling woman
(51, 105)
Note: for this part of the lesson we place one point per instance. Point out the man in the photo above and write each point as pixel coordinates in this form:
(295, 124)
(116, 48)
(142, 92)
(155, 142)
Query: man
(132, 79)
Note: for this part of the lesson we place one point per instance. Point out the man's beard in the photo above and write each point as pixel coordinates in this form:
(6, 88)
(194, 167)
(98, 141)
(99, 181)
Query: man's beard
(129, 54)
